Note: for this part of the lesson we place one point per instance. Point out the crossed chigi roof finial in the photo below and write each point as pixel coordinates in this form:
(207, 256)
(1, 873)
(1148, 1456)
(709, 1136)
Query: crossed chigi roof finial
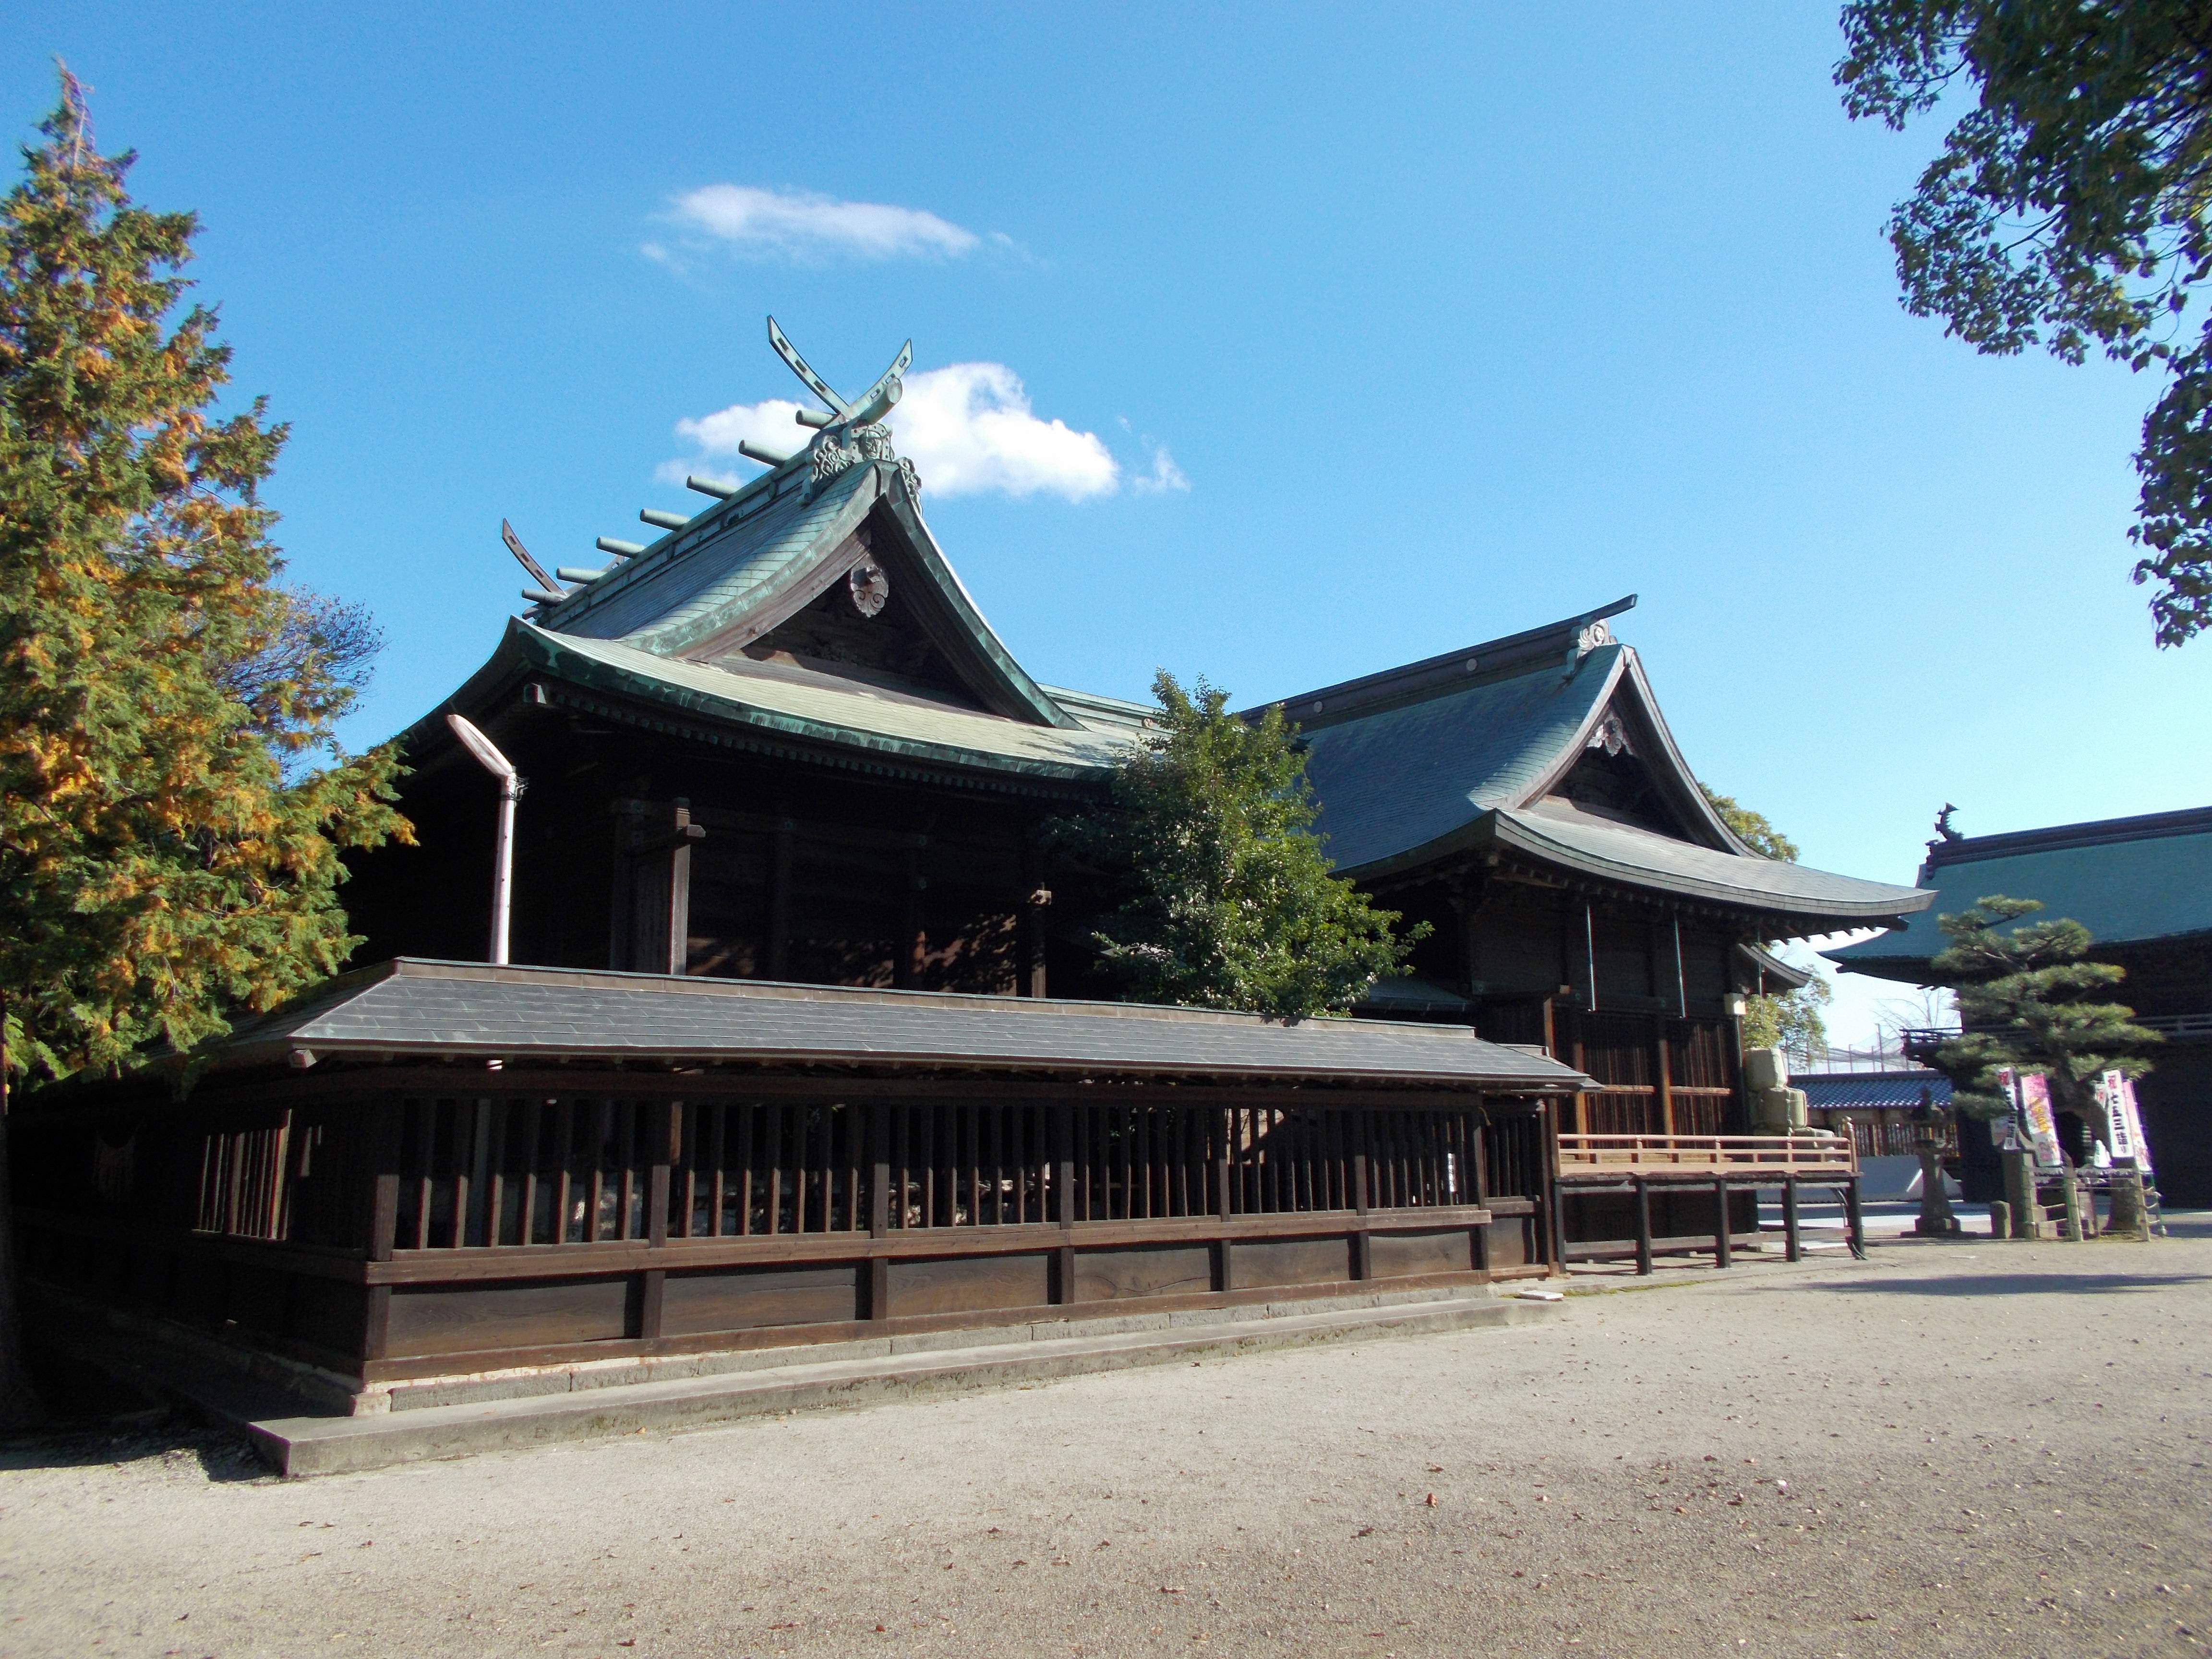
(866, 410)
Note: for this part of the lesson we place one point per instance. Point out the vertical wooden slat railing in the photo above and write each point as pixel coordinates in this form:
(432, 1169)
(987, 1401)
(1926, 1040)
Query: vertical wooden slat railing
(492, 1171)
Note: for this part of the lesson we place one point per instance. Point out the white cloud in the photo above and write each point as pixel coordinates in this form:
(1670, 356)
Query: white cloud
(968, 430)
(967, 427)
(773, 423)
(1164, 475)
(802, 224)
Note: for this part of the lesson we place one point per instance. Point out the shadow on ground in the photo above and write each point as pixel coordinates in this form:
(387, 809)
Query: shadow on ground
(222, 1456)
(2063, 1283)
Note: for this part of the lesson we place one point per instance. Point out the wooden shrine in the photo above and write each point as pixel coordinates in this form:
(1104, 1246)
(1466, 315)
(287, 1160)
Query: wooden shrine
(795, 1045)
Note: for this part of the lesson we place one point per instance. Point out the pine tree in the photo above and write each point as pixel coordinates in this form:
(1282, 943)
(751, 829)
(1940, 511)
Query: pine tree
(2028, 1000)
(169, 841)
(1218, 892)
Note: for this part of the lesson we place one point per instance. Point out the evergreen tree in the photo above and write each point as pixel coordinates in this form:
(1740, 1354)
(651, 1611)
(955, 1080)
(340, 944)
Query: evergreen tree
(172, 799)
(1791, 1020)
(1216, 890)
(2069, 207)
(2028, 1000)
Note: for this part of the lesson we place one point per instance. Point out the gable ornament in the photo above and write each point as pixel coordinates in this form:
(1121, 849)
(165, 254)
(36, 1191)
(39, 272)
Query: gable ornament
(852, 431)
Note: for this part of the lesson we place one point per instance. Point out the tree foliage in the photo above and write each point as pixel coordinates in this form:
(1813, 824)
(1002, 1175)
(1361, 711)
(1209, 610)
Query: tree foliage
(2028, 1000)
(2067, 209)
(172, 797)
(1791, 1020)
(1217, 892)
(1753, 828)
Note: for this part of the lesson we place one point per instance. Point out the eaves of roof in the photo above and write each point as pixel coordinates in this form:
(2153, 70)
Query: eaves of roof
(444, 1009)
(2154, 889)
(1622, 856)
(814, 709)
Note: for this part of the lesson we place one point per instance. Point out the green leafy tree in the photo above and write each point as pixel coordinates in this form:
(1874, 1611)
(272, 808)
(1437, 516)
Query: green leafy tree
(173, 801)
(2067, 210)
(2028, 1000)
(1792, 1020)
(1216, 890)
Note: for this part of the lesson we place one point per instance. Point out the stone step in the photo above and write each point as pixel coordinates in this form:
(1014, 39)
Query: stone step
(583, 1374)
(298, 1446)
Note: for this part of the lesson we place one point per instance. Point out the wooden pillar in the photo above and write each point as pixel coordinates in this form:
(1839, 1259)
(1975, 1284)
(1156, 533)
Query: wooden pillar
(1663, 1060)
(665, 1147)
(1554, 1230)
(1565, 1035)
(653, 919)
(1063, 1181)
(678, 922)
(1643, 1226)
(1477, 1158)
(879, 1205)
(1791, 1249)
(1033, 910)
(1724, 1246)
(779, 898)
(1363, 1246)
(1854, 1221)
(385, 1130)
(1224, 1274)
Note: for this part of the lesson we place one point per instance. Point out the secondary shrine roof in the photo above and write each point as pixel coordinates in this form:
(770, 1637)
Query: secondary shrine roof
(1469, 753)
(2129, 881)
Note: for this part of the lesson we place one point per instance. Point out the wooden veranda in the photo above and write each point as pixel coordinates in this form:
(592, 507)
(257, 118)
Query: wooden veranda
(1643, 1195)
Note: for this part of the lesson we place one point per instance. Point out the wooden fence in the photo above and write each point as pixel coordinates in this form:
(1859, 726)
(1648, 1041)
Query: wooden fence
(387, 1226)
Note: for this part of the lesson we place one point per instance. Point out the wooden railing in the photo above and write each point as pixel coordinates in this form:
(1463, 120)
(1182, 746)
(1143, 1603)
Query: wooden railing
(1805, 1152)
(487, 1172)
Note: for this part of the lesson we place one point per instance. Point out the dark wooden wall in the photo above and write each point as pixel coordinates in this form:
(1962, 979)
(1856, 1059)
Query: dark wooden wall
(386, 1226)
(778, 868)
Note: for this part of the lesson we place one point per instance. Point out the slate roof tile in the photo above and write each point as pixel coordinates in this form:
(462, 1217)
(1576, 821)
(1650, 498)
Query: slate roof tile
(436, 1009)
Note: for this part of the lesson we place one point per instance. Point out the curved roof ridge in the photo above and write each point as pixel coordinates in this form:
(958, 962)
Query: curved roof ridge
(1526, 652)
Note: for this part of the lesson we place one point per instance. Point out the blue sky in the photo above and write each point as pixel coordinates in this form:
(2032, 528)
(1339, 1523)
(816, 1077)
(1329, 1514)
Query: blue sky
(1369, 334)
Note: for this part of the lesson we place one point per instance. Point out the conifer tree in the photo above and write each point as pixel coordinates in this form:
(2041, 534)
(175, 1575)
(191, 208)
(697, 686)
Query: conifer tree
(173, 801)
(1217, 891)
(2028, 1000)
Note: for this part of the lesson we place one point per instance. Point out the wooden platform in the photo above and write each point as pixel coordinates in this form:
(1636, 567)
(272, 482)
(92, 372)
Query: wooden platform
(1723, 1170)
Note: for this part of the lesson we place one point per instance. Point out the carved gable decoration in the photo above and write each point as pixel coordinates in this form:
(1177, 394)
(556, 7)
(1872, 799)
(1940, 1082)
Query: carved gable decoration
(862, 622)
(1611, 779)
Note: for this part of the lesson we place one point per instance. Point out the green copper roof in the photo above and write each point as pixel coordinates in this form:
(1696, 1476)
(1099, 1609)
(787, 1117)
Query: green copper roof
(1456, 754)
(2127, 880)
(1621, 853)
(767, 550)
(796, 702)
(1405, 776)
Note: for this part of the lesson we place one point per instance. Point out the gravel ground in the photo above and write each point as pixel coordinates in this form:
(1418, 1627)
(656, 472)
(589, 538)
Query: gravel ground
(1959, 1449)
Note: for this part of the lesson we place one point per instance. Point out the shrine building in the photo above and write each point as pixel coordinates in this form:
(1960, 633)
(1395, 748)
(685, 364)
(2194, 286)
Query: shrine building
(796, 1044)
